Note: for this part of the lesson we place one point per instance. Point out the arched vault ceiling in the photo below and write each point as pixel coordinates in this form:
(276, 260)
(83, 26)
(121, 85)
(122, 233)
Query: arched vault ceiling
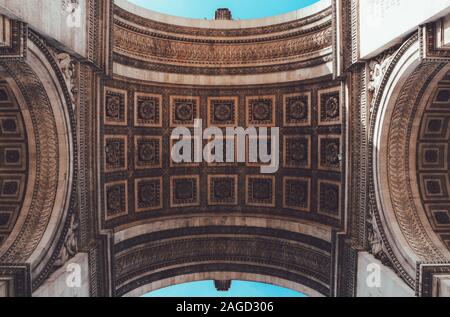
(141, 183)
(433, 176)
(285, 51)
(275, 76)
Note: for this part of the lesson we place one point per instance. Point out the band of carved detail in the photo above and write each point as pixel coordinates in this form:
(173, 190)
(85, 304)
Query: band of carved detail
(398, 166)
(47, 167)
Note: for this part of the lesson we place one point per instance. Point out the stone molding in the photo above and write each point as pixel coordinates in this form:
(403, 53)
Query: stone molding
(150, 45)
(397, 184)
(42, 220)
(166, 254)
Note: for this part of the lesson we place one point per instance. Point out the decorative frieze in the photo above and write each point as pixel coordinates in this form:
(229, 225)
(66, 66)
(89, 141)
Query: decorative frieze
(297, 193)
(115, 107)
(178, 49)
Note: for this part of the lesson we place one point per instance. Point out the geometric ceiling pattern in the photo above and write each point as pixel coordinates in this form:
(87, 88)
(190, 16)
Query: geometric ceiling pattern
(13, 161)
(433, 160)
(141, 181)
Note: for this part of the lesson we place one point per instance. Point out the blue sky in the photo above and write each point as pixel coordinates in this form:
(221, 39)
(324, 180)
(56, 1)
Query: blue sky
(238, 289)
(241, 9)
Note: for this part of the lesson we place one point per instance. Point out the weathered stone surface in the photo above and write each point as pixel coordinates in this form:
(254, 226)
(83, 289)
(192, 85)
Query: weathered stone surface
(86, 117)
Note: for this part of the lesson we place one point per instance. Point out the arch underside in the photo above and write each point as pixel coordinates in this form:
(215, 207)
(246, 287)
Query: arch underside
(275, 254)
(34, 241)
(222, 217)
(408, 232)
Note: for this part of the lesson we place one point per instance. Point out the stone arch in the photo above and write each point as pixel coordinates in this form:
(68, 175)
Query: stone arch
(173, 219)
(399, 223)
(280, 252)
(38, 84)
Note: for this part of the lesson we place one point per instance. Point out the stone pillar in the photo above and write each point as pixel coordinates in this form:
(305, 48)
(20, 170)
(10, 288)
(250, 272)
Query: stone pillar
(377, 280)
(71, 280)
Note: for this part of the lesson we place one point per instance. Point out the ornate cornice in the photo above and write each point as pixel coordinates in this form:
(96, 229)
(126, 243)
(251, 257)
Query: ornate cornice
(149, 47)
(426, 281)
(373, 208)
(152, 45)
(16, 45)
(125, 60)
(220, 40)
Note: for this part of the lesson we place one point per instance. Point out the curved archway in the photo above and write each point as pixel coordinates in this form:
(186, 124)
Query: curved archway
(196, 10)
(148, 256)
(399, 221)
(38, 235)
